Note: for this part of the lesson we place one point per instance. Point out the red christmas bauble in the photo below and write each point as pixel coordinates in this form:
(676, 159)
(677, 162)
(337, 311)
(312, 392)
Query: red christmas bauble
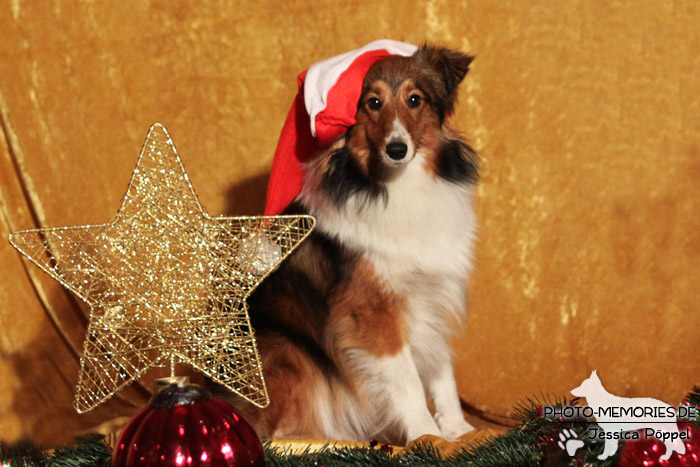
(647, 452)
(184, 426)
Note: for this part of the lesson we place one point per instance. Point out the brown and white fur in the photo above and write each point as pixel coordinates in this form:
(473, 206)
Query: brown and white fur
(353, 327)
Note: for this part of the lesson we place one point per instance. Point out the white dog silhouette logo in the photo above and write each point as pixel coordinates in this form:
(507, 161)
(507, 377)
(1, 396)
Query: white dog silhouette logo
(616, 415)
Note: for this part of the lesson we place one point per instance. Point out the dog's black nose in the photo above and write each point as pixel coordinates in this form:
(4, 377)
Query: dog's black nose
(396, 151)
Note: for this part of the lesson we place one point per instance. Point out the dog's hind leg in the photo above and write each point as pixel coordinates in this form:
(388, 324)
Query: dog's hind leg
(293, 382)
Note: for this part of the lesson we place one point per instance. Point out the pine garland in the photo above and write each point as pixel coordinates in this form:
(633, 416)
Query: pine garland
(90, 451)
(533, 443)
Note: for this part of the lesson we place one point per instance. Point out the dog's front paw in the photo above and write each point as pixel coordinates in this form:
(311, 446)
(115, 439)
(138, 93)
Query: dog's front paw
(453, 429)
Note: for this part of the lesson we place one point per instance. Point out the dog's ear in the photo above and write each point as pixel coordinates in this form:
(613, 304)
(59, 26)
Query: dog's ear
(450, 65)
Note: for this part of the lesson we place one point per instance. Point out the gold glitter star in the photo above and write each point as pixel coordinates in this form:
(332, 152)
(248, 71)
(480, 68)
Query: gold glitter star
(165, 282)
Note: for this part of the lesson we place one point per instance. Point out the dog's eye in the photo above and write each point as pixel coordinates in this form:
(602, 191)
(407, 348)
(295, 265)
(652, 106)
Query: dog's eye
(414, 101)
(374, 103)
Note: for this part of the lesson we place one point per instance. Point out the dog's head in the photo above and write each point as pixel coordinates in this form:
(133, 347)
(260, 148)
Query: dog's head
(401, 113)
(405, 101)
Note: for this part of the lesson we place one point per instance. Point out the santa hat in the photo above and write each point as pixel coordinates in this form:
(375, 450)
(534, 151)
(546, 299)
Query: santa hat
(323, 109)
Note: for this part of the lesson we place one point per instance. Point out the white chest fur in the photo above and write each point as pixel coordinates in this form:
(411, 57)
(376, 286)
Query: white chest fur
(423, 234)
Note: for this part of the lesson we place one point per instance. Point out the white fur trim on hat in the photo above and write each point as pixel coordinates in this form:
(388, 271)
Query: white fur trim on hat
(323, 75)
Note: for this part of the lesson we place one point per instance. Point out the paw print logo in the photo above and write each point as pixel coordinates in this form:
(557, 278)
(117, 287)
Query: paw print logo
(568, 440)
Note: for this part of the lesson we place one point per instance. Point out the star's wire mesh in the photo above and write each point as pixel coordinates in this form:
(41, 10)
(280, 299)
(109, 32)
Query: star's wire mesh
(166, 283)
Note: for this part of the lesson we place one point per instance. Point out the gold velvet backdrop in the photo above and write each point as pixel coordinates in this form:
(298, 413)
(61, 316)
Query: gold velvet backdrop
(586, 115)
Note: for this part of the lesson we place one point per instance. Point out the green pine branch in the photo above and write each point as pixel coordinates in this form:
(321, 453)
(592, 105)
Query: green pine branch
(533, 443)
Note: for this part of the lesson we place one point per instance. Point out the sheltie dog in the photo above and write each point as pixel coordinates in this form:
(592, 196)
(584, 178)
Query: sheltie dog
(352, 329)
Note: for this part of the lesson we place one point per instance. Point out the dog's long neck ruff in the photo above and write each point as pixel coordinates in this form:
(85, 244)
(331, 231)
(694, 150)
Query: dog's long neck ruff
(421, 232)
